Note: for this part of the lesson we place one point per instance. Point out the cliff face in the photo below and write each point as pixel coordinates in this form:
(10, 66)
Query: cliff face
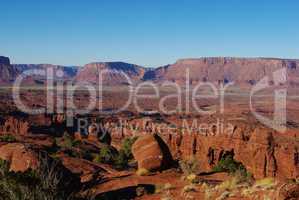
(225, 69)
(7, 72)
(264, 152)
(112, 75)
(4, 60)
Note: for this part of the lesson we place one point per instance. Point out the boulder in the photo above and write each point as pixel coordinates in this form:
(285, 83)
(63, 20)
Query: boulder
(151, 153)
(20, 157)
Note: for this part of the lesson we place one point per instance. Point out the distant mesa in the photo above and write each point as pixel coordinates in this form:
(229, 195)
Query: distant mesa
(241, 71)
(111, 73)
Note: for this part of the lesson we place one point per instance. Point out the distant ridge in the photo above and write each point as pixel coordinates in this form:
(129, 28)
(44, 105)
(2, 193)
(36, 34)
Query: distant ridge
(241, 71)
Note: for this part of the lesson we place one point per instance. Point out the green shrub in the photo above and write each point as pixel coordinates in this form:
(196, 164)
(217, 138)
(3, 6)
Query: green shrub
(106, 155)
(121, 160)
(228, 164)
(7, 138)
(68, 141)
(127, 146)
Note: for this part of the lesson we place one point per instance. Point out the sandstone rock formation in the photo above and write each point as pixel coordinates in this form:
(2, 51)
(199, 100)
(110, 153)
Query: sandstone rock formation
(264, 153)
(20, 157)
(15, 126)
(151, 153)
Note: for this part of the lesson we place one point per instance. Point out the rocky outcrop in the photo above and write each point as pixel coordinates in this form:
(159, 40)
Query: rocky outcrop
(112, 73)
(4, 60)
(15, 126)
(264, 153)
(20, 157)
(151, 153)
(8, 73)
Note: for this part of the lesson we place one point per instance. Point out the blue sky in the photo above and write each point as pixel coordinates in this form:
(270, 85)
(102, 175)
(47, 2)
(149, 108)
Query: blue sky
(146, 32)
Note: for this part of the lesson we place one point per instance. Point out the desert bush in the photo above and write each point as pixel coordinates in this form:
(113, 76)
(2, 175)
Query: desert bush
(121, 160)
(190, 166)
(190, 169)
(51, 181)
(229, 184)
(142, 172)
(127, 146)
(106, 155)
(188, 188)
(118, 159)
(7, 138)
(68, 141)
(229, 164)
(266, 183)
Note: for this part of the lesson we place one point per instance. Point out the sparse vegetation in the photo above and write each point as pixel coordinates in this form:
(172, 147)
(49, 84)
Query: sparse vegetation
(7, 138)
(190, 166)
(119, 159)
(163, 187)
(190, 169)
(229, 184)
(189, 188)
(106, 155)
(228, 164)
(68, 141)
(142, 172)
(127, 146)
(48, 182)
(266, 183)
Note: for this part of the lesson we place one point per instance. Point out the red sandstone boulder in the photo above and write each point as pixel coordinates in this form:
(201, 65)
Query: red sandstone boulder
(19, 156)
(151, 153)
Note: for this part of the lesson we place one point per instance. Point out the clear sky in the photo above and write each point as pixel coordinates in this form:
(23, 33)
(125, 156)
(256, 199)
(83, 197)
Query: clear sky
(146, 32)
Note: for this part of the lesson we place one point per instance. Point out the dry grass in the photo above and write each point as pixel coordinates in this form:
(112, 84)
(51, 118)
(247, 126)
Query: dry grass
(142, 172)
(265, 184)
